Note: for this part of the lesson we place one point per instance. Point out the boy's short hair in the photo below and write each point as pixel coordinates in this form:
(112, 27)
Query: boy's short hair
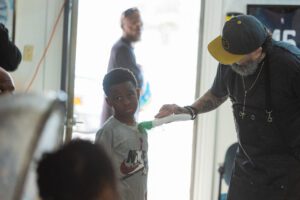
(117, 76)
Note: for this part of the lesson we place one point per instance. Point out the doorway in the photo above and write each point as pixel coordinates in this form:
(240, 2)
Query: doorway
(168, 54)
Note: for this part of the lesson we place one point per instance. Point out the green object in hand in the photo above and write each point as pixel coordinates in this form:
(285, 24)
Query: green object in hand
(143, 126)
(160, 121)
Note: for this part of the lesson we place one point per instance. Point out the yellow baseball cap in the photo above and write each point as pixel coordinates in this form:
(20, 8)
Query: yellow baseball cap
(241, 35)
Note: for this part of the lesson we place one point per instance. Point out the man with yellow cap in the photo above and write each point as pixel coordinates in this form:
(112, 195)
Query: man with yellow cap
(261, 77)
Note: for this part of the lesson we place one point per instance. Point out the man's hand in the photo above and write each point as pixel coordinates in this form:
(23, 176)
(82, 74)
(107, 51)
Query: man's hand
(169, 109)
(6, 82)
(206, 103)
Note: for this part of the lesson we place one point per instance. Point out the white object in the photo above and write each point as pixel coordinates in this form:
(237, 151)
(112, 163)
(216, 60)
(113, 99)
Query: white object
(171, 118)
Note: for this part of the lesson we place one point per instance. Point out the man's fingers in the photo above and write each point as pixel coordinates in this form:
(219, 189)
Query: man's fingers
(166, 110)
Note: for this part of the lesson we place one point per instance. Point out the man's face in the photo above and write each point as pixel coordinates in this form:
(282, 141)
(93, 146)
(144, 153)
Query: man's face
(249, 64)
(132, 26)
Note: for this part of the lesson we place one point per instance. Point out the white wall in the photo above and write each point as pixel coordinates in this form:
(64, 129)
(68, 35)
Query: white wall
(34, 22)
(204, 138)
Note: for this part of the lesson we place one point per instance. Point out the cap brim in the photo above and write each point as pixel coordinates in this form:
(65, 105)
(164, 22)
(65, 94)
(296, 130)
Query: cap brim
(216, 49)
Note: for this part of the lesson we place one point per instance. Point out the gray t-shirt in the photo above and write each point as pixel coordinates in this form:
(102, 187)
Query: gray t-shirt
(128, 149)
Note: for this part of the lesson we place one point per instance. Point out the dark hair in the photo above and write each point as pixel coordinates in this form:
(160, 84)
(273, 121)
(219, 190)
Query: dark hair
(130, 11)
(78, 170)
(117, 76)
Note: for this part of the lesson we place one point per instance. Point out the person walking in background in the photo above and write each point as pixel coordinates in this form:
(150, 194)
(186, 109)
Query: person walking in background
(79, 170)
(10, 55)
(121, 137)
(10, 58)
(261, 77)
(122, 53)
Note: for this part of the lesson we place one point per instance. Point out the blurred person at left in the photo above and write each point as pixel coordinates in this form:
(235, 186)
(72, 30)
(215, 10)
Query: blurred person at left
(10, 55)
(78, 170)
(10, 58)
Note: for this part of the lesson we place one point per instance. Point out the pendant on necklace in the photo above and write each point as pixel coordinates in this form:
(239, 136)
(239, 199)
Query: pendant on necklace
(242, 113)
(269, 118)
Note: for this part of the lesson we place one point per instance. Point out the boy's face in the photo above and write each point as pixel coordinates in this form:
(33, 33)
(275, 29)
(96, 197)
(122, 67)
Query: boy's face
(123, 98)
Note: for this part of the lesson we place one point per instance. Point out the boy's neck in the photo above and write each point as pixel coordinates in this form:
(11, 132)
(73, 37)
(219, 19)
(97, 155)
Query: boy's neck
(127, 121)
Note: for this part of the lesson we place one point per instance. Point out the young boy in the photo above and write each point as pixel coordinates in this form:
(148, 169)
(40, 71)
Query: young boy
(121, 137)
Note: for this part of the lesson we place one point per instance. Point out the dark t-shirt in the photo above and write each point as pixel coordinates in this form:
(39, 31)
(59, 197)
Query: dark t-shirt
(122, 55)
(285, 82)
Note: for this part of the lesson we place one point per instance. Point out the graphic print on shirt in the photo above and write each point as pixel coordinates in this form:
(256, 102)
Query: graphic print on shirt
(136, 161)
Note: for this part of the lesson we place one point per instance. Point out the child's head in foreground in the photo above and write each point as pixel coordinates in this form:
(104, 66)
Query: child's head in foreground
(79, 170)
(122, 94)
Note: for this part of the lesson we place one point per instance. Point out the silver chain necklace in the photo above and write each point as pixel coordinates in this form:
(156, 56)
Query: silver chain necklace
(242, 113)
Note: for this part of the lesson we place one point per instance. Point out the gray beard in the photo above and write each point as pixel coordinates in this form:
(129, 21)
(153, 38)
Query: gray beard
(245, 70)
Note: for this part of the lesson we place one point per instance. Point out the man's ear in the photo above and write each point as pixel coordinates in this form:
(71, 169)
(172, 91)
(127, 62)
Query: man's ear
(108, 101)
(258, 53)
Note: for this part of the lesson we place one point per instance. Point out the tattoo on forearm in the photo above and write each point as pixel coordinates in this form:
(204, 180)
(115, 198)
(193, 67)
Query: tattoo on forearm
(209, 102)
(208, 105)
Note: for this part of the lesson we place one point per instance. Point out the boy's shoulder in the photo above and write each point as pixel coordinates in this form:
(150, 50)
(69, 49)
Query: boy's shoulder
(110, 123)
(107, 128)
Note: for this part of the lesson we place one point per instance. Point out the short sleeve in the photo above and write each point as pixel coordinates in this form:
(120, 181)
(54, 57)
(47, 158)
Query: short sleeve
(219, 87)
(104, 137)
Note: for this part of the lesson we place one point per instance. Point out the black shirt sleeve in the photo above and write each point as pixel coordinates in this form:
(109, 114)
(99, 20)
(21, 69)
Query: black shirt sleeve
(219, 87)
(10, 55)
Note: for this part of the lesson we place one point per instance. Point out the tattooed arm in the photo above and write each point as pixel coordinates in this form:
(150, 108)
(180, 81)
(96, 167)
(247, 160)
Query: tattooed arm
(208, 102)
(204, 104)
